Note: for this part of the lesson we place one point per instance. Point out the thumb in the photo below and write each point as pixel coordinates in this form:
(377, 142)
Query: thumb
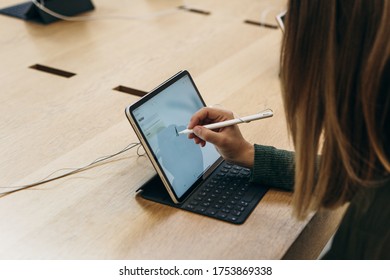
(207, 135)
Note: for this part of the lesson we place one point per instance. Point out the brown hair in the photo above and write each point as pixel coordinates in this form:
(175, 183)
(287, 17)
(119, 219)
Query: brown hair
(335, 74)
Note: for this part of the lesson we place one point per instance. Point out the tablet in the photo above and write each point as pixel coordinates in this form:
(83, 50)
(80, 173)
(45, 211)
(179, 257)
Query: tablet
(180, 163)
(280, 18)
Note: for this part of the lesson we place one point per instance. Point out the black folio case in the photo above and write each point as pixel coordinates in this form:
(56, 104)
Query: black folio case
(154, 190)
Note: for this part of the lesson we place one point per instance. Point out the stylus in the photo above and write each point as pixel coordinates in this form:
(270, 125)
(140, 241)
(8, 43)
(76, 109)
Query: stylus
(262, 115)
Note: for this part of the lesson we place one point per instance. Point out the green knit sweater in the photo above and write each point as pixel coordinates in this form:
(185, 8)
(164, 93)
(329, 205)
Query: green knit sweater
(273, 167)
(364, 232)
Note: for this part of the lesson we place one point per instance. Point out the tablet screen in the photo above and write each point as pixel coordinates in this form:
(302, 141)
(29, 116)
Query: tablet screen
(182, 161)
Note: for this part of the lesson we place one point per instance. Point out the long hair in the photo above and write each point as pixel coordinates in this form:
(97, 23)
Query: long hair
(335, 74)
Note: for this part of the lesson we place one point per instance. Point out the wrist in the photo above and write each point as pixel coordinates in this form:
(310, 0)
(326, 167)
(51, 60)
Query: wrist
(247, 155)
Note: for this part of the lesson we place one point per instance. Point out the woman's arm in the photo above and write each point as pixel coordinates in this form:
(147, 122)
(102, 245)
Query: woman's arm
(270, 166)
(273, 167)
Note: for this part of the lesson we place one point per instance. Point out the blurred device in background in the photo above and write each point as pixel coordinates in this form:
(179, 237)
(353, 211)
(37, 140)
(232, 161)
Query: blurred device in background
(31, 12)
(280, 19)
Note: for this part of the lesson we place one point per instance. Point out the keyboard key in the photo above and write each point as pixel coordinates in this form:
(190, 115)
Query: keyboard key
(245, 172)
(211, 212)
(236, 213)
(226, 196)
(232, 218)
(221, 215)
(243, 203)
(200, 209)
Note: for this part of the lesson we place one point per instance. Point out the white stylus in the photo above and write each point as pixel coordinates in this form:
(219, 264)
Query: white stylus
(262, 115)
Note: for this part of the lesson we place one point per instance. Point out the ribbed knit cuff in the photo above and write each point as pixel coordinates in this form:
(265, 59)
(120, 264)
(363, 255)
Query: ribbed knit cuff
(273, 167)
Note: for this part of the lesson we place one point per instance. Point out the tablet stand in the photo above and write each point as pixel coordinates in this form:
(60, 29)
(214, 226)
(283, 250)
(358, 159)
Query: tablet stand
(154, 190)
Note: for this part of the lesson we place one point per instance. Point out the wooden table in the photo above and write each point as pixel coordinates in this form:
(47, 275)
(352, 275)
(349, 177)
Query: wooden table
(49, 122)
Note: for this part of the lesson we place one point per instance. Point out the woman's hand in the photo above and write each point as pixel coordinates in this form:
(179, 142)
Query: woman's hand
(228, 140)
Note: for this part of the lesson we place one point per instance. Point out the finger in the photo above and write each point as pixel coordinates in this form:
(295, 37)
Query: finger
(200, 141)
(208, 135)
(198, 118)
(209, 115)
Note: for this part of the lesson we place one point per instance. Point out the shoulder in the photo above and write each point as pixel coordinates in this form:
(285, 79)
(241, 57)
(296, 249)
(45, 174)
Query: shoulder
(364, 232)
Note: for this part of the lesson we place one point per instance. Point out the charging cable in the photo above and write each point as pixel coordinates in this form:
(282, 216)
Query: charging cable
(48, 178)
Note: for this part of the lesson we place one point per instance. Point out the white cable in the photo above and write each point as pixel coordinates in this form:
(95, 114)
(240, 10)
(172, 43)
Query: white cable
(74, 171)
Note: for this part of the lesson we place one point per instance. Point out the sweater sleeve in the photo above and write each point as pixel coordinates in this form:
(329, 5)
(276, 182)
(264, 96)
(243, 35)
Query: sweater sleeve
(273, 167)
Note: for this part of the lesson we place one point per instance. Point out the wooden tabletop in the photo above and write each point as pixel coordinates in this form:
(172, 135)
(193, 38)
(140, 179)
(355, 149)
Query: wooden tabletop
(50, 122)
